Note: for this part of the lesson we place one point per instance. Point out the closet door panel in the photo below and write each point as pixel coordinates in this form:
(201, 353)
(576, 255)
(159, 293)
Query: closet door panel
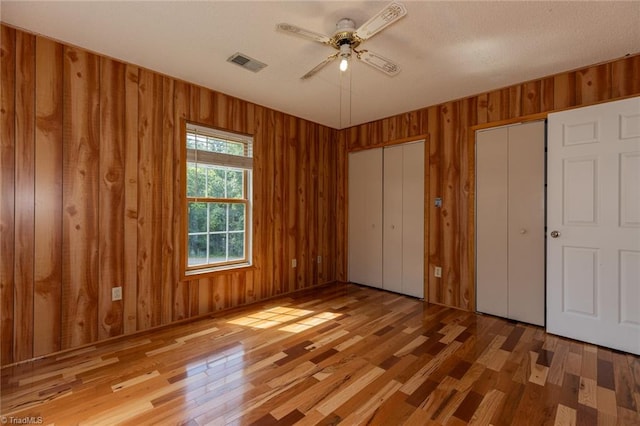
(491, 220)
(526, 223)
(393, 219)
(365, 217)
(413, 219)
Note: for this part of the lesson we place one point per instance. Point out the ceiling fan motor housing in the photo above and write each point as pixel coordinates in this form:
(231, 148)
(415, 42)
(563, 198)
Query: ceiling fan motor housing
(344, 34)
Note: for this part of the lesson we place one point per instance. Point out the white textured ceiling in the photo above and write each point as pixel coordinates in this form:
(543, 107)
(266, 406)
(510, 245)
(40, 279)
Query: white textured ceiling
(447, 49)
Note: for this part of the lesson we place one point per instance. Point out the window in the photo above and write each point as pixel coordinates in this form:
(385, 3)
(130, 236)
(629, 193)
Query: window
(218, 200)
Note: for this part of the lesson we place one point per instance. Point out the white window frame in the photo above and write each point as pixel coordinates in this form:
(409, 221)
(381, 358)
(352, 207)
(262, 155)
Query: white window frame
(244, 163)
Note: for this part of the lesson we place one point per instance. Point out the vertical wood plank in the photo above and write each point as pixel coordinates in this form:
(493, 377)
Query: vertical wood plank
(207, 109)
(130, 263)
(312, 205)
(415, 123)
(264, 117)
(169, 209)
(515, 101)
(466, 209)
(335, 259)
(291, 200)
(24, 195)
(181, 112)
(205, 296)
(482, 108)
(564, 90)
(342, 207)
(302, 168)
(80, 197)
(48, 197)
(546, 94)
(219, 105)
(323, 214)
(451, 202)
(112, 174)
(7, 186)
(149, 198)
(594, 84)
(259, 203)
(279, 213)
(531, 93)
(625, 77)
(222, 294)
(494, 106)
(436, 285)
(193, 297)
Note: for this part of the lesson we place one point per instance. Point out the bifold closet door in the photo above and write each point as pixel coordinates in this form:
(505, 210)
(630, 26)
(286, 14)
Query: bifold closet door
(510, 222)
(392, 220)
(365, 217)
(403, 219)
(526, 207)
(492, 170)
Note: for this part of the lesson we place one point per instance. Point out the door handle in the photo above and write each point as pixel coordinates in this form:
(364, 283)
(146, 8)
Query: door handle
(555, 234)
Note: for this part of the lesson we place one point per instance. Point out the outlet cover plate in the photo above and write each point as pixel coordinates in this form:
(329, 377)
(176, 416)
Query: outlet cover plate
(116, 293)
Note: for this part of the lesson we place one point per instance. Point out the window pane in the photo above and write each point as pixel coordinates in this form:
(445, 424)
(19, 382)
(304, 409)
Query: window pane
(212, 144)
(236, 245)
(217, 217)
(235, 183)
(236, 217)
(197, 217)
(197, 250)
(191, 141)
(196, 179)
(215, 188)
(217, 247)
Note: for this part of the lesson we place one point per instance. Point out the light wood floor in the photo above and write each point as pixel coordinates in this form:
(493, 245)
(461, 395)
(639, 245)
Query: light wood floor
(341, 354)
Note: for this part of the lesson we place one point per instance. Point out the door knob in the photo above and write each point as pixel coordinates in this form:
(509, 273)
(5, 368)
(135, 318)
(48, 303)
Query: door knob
(555, 234)
(523, 231)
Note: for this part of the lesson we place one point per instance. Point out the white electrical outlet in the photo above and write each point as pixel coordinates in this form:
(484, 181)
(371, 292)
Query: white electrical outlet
(437, 272)
(294, 263)
(116, 293)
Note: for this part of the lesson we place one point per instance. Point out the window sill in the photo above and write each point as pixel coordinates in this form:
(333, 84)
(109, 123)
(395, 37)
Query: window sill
(214, 271)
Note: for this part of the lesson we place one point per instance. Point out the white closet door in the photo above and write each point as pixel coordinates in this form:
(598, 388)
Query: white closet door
(526, 222)
(491, 219)
(510, 222)
(393, 206)
(413, 219)
(365, 217)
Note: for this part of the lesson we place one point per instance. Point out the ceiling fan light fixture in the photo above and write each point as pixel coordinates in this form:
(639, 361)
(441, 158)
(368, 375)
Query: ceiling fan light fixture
(345, 54)
(344, 64)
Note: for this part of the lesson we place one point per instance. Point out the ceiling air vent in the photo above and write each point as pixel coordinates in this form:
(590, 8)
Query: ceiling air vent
(246, 62)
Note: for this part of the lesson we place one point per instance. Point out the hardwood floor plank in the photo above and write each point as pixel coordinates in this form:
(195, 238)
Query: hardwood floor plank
(565, 416)
(338, 354)
(588, 393)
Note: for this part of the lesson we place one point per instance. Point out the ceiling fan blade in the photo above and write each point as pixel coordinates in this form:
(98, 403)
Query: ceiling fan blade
(319, 66)
(301, 32)
(387, 16)
(378, 62)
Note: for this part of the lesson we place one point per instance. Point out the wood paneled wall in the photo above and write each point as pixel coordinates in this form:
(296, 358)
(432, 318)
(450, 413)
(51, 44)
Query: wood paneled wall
(92, 198)
(450, 172)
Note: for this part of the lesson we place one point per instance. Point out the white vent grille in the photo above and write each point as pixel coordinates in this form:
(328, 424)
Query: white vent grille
(246, 62)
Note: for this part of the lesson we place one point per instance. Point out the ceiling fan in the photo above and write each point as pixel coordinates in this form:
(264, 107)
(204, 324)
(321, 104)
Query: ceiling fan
(346, 39)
